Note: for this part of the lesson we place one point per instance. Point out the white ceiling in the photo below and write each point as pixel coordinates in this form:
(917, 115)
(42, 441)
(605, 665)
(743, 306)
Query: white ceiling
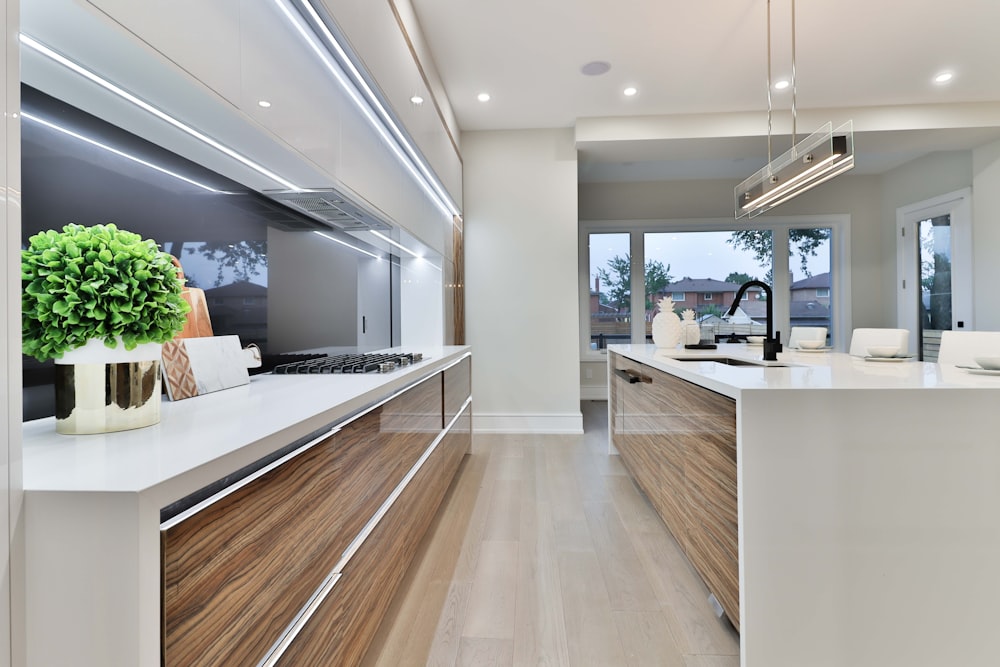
(698, 64)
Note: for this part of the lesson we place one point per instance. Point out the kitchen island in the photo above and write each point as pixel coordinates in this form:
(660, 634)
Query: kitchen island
(865, 497)
(264, 524)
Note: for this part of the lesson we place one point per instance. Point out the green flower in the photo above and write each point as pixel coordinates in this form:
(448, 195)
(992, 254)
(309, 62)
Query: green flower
(96, 282)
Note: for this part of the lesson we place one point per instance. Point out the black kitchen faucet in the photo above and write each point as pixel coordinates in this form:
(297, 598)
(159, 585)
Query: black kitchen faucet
(772, 342)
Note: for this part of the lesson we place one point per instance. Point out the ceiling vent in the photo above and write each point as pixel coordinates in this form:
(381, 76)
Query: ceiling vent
(329, 207)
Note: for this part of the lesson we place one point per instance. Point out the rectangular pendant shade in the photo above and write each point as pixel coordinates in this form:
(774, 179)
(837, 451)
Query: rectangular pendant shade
(817, 158)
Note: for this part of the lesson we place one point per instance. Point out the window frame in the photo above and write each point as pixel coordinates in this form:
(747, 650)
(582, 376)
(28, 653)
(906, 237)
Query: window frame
(840, 261)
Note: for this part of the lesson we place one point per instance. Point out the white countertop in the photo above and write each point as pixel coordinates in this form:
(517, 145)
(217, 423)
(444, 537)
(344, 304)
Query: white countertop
(796, 369)
(200, 439)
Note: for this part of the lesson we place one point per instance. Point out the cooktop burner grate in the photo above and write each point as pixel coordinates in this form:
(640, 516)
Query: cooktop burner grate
(373, 362)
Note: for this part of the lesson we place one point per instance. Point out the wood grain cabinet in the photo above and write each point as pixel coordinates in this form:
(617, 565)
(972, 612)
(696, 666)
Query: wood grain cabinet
(678, 441)
(238, 572)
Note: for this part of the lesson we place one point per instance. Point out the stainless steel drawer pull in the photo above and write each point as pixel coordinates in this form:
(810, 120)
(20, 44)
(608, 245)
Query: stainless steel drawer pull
(633, 377)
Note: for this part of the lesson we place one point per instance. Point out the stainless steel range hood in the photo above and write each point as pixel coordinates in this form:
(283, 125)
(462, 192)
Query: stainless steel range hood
(330, 207)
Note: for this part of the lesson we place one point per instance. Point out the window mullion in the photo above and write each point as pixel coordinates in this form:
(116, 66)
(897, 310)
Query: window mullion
(781, 281)
(638, 281)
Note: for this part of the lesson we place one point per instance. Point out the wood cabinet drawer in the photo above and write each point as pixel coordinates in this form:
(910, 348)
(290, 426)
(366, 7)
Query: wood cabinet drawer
(236, 573)
(342, 627)
(457, 387)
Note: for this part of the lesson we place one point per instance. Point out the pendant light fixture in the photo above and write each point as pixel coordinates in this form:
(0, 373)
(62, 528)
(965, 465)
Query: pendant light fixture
(816, 159)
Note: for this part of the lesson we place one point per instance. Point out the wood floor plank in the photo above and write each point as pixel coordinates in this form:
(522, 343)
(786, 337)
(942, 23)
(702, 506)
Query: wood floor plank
(590, 626)
(490, 612)
(448, 634)
(711, 661)
(468, 558)
(539, 624)
(563, 485)
(503, 521)
(647, 640)
(636, 514)
(485, 652)
(624, 575)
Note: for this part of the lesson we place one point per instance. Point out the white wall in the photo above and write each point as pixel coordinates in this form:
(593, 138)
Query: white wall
(986, 235)
(521, 287)
(916, 181)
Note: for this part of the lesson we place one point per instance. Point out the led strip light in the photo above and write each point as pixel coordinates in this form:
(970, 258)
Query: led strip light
(345, 243)
(318, 36)
(94, 142)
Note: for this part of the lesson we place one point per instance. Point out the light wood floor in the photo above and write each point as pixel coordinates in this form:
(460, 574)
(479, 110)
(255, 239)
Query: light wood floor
(545, 553)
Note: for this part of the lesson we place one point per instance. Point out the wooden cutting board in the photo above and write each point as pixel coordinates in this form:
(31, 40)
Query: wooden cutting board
(199, 324)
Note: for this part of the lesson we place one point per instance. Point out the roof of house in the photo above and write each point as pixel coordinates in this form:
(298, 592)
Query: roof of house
(820, 280)
(797, 309)
(700, 285)
(241, 288)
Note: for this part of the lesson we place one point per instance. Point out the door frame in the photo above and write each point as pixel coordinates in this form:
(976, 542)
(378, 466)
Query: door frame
(958, 205)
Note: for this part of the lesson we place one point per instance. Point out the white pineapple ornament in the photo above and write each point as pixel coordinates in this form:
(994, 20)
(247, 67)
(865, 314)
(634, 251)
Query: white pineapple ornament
(691, 328)
(666, 325)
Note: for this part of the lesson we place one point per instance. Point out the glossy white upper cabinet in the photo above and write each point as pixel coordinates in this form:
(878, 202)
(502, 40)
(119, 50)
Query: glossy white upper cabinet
(210, 63)
(201, 36)
(385, 35)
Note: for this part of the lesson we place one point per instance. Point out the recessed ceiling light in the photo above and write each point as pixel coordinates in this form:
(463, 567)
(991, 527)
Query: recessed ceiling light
(596, 68)
(483, 97)
(943, 77)
(417, 100)
(263, 103)
(630, 91)
(781, 85)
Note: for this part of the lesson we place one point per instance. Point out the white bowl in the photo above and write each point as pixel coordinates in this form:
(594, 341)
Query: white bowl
(989, 363)
(755, 340)
(811, 344)
(883, 351)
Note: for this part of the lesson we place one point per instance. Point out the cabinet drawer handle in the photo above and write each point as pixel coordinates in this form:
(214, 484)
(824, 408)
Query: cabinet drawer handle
(633, 377)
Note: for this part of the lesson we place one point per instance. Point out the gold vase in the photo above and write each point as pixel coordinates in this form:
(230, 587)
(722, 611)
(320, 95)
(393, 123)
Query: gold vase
(94, 396)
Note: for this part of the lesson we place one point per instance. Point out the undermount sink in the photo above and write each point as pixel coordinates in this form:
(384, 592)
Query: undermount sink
(728, 361)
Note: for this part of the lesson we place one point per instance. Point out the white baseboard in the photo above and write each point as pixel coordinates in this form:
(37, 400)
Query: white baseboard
(567, 424)
(593, 393)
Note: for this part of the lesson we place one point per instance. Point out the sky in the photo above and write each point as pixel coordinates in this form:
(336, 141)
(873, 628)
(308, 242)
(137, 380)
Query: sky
(693, 255)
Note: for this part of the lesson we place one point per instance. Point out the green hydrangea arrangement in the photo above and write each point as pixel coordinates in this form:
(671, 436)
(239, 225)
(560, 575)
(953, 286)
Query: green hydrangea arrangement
(97, 282)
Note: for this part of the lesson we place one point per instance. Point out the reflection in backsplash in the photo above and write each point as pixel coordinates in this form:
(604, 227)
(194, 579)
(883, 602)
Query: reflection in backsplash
(265, 276)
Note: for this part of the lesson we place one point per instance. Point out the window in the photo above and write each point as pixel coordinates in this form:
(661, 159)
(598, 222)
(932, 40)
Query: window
(709, 258)
(610, 290)
(248, 301)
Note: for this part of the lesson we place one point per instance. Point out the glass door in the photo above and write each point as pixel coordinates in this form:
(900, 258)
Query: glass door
(934, 262)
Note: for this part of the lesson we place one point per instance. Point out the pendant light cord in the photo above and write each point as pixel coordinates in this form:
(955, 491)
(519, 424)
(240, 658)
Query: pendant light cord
(769, 84)
(793, 75)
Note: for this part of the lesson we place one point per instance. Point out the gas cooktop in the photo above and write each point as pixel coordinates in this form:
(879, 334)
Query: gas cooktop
(373, 362)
